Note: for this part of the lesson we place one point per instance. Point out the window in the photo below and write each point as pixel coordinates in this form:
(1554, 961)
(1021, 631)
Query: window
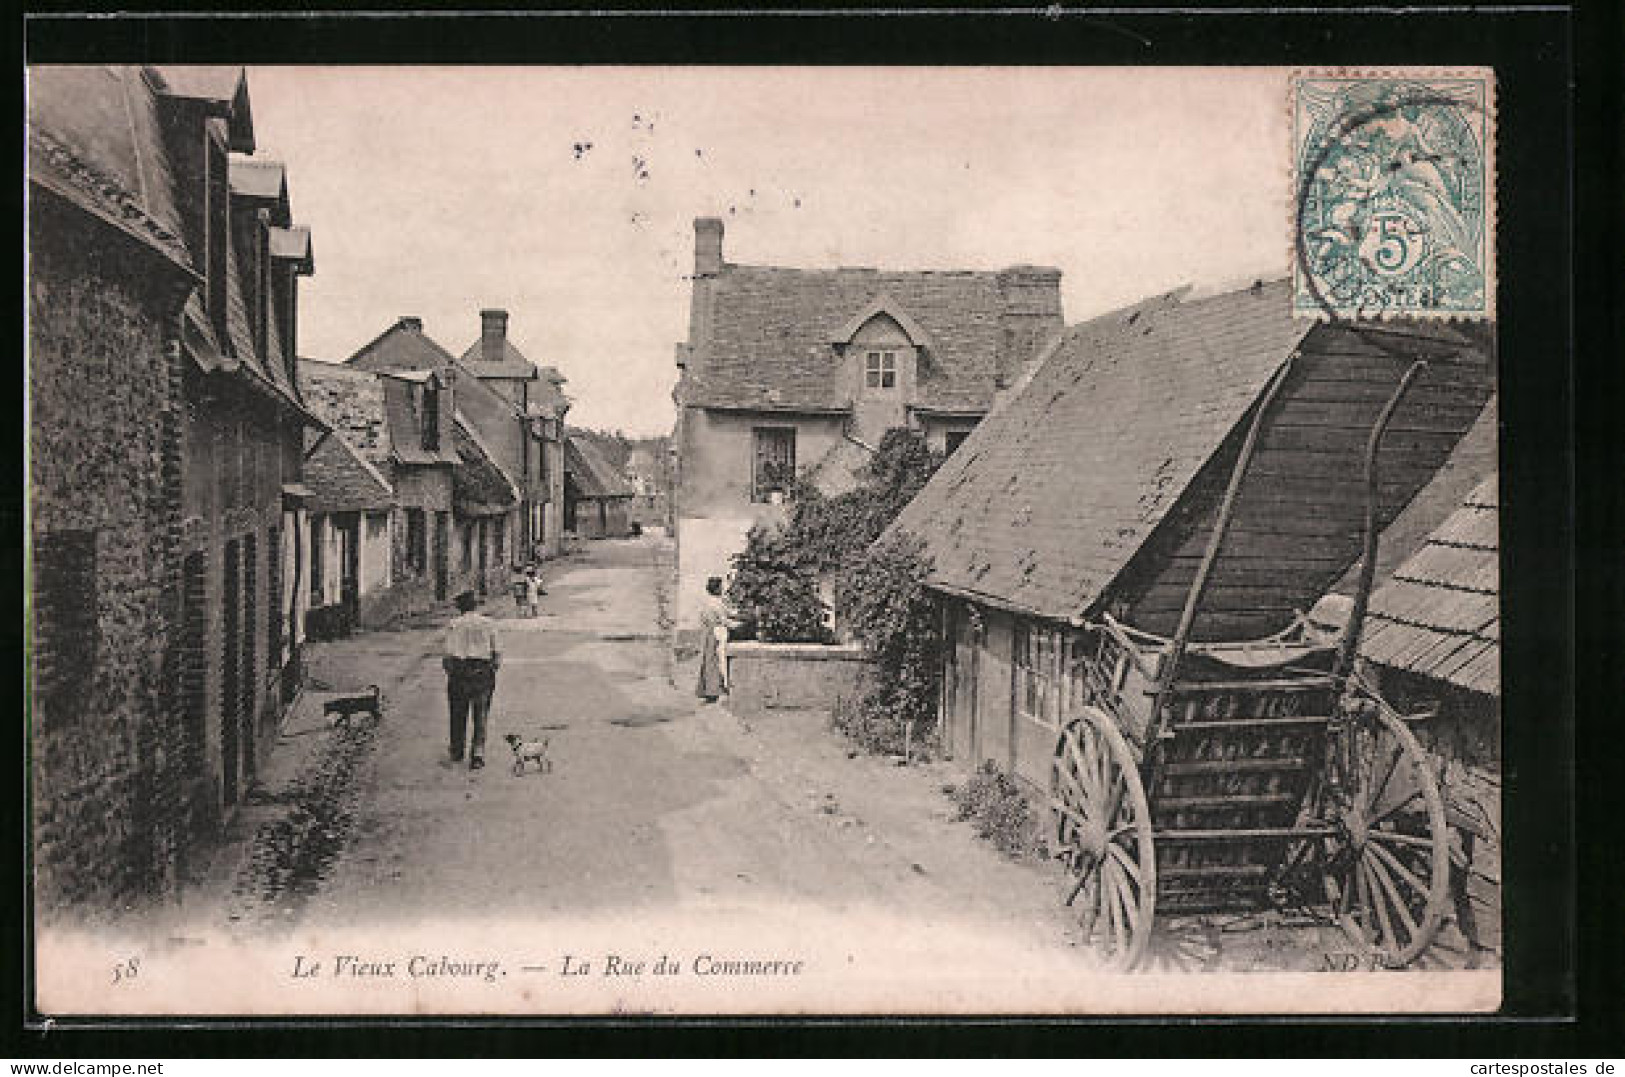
(469, 540)
(431, 418)
(1034, 674)
(774, 468)
(417, 542)
(956, 438)
(880, 369)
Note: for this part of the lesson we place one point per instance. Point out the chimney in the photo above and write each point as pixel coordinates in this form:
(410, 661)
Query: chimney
(1031, 301)
(493, 335)
(408, 321)
(707, 246)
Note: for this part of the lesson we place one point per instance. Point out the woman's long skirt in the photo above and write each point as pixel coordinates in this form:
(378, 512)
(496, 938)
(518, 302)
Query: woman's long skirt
(710, 685)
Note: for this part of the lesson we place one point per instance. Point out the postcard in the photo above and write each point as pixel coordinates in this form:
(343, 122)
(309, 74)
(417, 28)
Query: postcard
(741, 540)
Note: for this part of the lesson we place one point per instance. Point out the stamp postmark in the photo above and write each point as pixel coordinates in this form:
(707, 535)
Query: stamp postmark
(1394, 200)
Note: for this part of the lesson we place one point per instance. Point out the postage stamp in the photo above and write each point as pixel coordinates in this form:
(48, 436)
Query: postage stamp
(1393, 211)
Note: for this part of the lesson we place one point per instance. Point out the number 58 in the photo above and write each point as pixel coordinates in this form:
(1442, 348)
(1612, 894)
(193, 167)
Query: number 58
(126, 970)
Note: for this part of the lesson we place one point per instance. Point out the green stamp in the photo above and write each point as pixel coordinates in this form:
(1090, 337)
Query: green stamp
(1394, 206)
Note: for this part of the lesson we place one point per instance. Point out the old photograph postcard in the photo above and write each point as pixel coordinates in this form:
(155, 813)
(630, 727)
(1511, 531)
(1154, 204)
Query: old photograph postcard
(741, 540)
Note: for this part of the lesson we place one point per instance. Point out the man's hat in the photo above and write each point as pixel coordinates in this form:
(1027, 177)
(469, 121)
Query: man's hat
(466, 601)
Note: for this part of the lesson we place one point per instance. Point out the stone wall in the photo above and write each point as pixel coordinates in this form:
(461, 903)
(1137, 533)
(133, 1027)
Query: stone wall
(108, 784)
(763, 677)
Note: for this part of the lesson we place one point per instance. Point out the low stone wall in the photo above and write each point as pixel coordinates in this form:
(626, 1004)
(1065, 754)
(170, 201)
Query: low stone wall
(791, 676)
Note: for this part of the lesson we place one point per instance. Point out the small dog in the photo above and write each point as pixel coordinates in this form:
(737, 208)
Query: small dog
(529, 751)
(371, 702)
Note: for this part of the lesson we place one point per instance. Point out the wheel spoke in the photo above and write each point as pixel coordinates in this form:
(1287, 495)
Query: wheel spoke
(1126, 862)
(1109, 896)
(1085, 772)
(1404, 839)
(1393, 764)
(1127, 899)
(1084, 875)
(1393, 892)
(1360, 897)
(1072, 814)
(1080, 799)
(1415, 795)
(1394, 865)
(1377, 904)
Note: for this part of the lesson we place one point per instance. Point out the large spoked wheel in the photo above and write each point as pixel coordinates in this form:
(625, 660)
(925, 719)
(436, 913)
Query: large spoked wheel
(1103, 835)
(1387, 858)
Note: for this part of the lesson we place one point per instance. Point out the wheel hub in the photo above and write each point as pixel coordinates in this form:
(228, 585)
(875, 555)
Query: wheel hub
(1092, 839)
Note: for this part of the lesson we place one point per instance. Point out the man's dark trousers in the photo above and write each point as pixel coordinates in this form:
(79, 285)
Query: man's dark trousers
(469, 685)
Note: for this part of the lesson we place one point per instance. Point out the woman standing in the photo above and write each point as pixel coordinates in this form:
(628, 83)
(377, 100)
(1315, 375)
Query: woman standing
(714, 626)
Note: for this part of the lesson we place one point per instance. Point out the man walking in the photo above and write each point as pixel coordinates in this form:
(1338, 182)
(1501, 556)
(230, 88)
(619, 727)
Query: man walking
(471, 661)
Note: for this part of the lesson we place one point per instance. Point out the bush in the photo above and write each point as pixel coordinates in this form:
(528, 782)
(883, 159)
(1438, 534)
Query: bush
(775, 585)
(773, 595)
(895, 617)
(1001, 812)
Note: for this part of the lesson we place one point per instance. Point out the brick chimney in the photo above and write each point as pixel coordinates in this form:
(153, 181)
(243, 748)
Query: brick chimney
(493, 335)
(707, 246)
(1031, 300)
(409, 321)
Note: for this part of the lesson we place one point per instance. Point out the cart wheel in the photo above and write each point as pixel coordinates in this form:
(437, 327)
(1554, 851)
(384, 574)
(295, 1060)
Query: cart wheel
(1387, 868)
(1103, 834)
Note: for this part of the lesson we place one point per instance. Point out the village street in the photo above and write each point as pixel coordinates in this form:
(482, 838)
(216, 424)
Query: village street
(656, 801)
(658, 806)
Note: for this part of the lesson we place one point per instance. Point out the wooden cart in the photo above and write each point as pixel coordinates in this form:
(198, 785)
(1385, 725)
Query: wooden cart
(1206, 777)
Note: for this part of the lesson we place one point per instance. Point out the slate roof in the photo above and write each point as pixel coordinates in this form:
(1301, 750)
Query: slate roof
(513, 363)
(1120, 418)
(342, 480)
(547, 398)
(261, 181)
(294, 245)
(480, 487)
(769, 344)
(95, 139)
(223, 89)
(352, 402)
(1439, 616)
(405, 424)
(403, 346)
(591, 473)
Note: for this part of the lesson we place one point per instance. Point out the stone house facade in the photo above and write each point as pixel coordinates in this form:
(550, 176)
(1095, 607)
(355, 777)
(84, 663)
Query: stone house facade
(519, 411)
(164, 470)
(409, 509)
(792, 373)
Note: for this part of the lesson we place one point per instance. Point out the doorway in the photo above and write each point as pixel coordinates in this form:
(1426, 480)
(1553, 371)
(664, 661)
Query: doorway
(442, 555)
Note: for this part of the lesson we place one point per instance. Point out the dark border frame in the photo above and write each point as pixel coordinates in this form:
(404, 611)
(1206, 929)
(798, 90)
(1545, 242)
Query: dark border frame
(1533, 51)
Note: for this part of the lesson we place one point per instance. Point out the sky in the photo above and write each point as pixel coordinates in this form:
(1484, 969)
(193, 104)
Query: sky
(567, 195)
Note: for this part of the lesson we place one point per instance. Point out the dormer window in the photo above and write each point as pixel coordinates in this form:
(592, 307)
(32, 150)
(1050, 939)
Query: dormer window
(431, 418)
(880, 369)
